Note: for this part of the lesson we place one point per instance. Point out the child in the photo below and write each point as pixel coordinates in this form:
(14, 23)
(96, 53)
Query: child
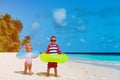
(28, 59)
(52, 49)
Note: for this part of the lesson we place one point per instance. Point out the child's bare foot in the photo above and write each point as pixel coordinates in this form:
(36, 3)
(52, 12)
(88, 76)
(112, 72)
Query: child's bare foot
(55, 75)
(47, 75)
(25, 73)
(30, 73)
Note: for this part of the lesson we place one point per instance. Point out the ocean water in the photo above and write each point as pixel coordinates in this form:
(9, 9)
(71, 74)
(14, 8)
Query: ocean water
(114, 59)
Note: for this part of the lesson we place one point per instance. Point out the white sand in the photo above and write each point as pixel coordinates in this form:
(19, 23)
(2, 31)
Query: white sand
(11, 68)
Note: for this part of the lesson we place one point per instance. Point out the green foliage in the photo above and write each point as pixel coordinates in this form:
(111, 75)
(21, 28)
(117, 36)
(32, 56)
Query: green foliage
(9, 34)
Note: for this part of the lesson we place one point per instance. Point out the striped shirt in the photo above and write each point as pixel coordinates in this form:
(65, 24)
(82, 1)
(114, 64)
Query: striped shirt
(53, 49)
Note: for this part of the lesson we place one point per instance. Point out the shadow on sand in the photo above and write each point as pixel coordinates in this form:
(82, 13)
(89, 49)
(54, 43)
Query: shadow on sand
(45, 74)
(21, 72)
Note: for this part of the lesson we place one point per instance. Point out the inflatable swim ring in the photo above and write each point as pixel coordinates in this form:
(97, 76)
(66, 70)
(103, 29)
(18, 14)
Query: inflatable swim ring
(23, 54)
(59, 58)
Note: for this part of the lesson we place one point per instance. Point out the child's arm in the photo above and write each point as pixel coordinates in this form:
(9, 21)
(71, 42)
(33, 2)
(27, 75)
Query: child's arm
(58, 50)
(35, 56)
(47, 51)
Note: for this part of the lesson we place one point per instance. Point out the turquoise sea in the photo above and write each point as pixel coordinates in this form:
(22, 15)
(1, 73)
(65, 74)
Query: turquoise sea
(95, 57)
(109, 60)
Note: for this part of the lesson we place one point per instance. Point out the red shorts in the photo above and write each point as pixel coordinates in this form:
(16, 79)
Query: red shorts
(52, 65)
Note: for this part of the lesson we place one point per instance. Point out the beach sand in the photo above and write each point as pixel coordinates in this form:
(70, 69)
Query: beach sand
(11, 68)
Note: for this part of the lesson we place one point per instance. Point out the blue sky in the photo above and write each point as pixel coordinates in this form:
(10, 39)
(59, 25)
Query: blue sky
(79, 25)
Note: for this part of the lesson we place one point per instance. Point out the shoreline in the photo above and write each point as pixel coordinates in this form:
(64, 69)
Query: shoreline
(12, 69)
(93, 53)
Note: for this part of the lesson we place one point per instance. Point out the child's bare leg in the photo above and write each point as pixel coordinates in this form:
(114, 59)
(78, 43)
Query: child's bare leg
(55, 70)
(25, 68)
(30, 69)
(48, 71)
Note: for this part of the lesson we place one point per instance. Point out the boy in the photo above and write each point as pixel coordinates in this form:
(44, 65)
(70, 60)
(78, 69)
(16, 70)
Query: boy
(52, 49)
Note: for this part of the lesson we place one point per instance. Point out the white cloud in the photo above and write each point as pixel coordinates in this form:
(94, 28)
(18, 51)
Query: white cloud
(63, 24)
(73, 17)
(59, 16)
(82, 40)
(116, 46)
(81, 28)
(109, 40)
(35, 25)
(68, 44)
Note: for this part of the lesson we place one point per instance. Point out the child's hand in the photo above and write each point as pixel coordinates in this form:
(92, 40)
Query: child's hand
(35, 56)
(61, 53)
